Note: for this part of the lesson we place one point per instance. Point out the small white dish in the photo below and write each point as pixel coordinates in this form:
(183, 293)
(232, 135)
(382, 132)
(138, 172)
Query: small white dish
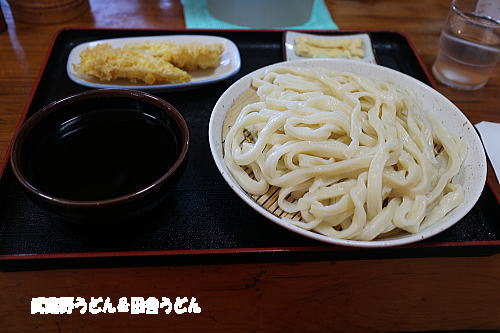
(290, 43)
(472, 174)
(230, 63)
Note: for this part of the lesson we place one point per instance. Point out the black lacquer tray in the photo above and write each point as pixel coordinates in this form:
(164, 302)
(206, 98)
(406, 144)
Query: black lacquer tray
(202, 220)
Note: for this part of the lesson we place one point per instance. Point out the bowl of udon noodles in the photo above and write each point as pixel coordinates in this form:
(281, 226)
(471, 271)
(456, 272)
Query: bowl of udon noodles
(347, 153)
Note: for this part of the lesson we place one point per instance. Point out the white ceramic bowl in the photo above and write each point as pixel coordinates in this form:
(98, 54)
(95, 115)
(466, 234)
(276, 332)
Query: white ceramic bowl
(472, 174)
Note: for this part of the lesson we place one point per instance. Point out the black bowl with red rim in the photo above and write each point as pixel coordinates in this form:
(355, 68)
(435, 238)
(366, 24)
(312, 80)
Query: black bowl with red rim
(106, 154)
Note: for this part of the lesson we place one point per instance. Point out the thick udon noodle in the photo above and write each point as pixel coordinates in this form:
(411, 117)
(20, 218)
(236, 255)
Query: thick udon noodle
(357, 158)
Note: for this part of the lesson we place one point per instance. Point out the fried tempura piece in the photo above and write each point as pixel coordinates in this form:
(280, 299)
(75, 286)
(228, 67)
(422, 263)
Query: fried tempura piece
(196, 55)
(107, 63)
(188, 56)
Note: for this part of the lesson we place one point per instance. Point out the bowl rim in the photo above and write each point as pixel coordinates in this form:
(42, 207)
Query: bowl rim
(227, 99)
(38, 116)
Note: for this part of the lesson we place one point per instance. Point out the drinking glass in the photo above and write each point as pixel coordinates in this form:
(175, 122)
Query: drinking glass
(469, 44)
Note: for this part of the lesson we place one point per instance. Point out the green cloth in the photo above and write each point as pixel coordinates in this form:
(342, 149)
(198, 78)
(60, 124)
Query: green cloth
(197, 16)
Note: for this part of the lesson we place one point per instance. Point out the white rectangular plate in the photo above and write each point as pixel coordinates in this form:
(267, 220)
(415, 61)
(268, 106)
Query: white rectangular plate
(290, 42)
(230, 63)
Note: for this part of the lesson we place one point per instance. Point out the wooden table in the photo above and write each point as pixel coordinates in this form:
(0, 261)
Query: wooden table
(365, 295)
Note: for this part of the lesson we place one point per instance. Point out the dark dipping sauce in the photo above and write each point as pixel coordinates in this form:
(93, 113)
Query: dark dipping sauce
(100, 154)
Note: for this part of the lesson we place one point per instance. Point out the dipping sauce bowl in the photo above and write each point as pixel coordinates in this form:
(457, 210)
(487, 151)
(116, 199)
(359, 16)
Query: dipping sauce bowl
(101, 155)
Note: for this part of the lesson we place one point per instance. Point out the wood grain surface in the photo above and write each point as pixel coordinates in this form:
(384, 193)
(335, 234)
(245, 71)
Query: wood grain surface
(345, 296)
(342, 296)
